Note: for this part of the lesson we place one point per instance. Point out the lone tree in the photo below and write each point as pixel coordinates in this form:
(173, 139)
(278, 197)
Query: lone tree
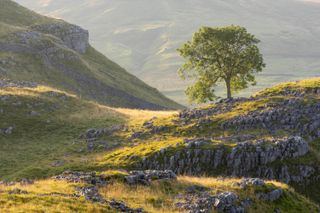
(225, 54)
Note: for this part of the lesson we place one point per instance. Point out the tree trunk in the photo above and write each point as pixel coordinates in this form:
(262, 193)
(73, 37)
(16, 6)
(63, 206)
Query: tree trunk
(228, 84)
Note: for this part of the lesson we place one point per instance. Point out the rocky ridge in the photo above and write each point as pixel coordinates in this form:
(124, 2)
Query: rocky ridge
(72, 36)
(251, 158)
(288, 115)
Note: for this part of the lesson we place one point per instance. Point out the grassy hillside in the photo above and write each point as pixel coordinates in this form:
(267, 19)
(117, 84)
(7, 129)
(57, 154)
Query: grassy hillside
(46, 124)
(55, 53)
(146, 43)
(223, 126)
(44, 132)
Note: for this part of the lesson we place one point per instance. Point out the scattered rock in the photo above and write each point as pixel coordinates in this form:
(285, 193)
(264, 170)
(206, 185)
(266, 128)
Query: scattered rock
(19, 84)
(148, 124)
(195, 203)
(17, 191)
(92, 134)
(121, 206)
(145, 177)
(205, 202)
(7, 131)
(58, 163)
(196, 189)
(91, 193)
(136, 135)
(26, 181)
(270, 196)
(195, 143)
(77, 177)
(245, 182)
(34, 113)
(225, 202)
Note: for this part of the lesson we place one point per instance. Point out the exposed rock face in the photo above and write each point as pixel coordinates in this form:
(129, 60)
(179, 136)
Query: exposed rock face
(136, 135)
(246, 156)
(246, 159)
(270, 196)
(77, 177)
(55, 46)
(194, 203)
(17, 191)
(291, 114)
(93, 137)
(295, 92)
(96, 133)
(247, 182)
(223, 106)
(145, 177)
(72, 36)
(225, 202)
(151, 129)
(18, 84)
(122, 207)
(91, 192)
(202, 200)
(7, 131)
(195, 143)
(205, 202)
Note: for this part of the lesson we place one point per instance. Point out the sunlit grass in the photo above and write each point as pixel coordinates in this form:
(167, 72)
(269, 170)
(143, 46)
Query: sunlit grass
(130, 155)
(296, 85)
(161, 196)
(39, 141)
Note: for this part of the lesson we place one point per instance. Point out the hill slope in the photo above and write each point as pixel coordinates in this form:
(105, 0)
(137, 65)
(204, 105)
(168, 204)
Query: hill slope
(143, 35)
(58, 54)
(273, 135)
(46, 132)
(40, 128)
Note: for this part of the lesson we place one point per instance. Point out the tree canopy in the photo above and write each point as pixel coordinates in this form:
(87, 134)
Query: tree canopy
(224, 54)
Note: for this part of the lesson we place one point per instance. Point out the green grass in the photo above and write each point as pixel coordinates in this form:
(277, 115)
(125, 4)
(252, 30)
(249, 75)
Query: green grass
(39, 199)
(14, 14)
(38, 141)
(298, 85)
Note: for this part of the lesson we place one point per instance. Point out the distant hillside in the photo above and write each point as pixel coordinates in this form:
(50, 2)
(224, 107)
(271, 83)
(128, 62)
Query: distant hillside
(55, 53)
(143, 35)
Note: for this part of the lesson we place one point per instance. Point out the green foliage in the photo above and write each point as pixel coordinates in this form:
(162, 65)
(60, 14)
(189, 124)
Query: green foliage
(228, 54)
